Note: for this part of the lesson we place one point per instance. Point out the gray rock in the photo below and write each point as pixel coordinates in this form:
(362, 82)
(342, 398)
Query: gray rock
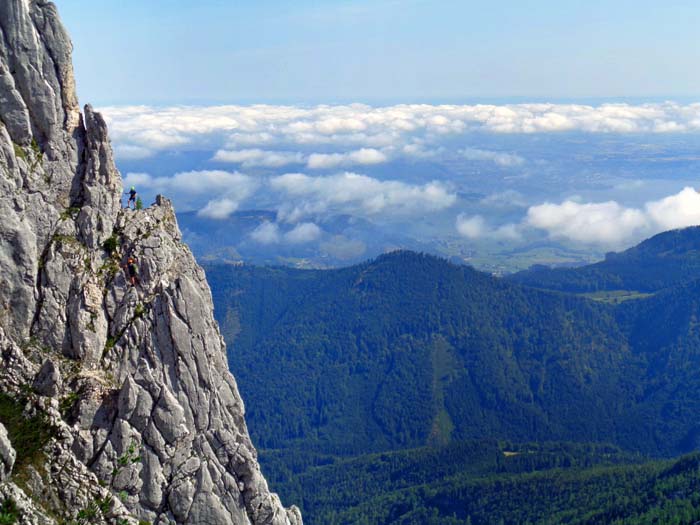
(136, 383)
(31, 512)
(7, 454)
(48, 381)
(101, 185)
(36, 51)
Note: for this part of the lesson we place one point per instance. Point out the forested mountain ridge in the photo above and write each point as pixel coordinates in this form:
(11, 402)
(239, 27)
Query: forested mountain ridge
(409, 349)
(664, 260)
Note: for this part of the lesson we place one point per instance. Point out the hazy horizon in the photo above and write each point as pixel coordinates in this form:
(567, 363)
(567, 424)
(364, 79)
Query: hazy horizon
(500, 135)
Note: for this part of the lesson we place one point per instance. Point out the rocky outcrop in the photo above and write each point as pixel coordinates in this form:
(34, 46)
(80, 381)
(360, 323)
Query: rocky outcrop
(48, 381)
(140, 418)
(7, 454)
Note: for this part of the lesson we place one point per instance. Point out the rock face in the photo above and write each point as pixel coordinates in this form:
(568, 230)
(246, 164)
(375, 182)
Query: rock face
(142, 419)
(7, 454)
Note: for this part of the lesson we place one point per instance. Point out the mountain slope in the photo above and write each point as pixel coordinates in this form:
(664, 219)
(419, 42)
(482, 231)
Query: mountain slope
(359, 489)
(409, 349)
(664, 331)
(659, 492)
(115, 400)
(665, 260)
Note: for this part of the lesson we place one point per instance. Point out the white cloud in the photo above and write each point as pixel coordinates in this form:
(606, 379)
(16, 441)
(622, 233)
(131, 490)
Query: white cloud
(475, 227)
(258, 157)
(198, 182)
(218, 209)
(611, 224)
(398, 126)
(164, 128)
(274, 159)
(270, 233)
(267, 233)
(358, 194)
(606, 223)
(418, 150)
(218, 193)
(504, 199)
(364, 156)
(137, 179)
(191, 187)
(497, 157)
(509, 231)
(303, 233)
(131, 152)
(471, 227)
(676, 211)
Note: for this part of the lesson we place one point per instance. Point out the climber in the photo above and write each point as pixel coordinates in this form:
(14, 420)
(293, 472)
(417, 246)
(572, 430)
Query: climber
(132, 197)
(132, 271)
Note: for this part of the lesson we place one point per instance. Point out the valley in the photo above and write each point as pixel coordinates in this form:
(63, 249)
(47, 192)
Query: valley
(409, 351)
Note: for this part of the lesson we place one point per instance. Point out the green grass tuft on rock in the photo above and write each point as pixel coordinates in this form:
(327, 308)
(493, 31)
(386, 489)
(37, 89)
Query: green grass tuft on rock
(28, 435)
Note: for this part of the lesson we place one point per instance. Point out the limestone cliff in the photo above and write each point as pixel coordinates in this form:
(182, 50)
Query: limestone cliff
(116, 404)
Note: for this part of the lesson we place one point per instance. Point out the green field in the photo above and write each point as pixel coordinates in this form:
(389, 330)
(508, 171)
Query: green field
(615, 296)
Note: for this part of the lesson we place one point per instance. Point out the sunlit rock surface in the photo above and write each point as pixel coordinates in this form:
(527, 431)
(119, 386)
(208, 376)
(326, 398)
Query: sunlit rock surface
(139, 417)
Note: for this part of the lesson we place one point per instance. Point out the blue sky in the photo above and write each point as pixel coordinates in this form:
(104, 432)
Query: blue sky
(382, 51)
(554, 130)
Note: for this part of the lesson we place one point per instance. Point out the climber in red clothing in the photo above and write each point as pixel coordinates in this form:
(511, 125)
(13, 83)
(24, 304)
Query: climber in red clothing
(132, 271)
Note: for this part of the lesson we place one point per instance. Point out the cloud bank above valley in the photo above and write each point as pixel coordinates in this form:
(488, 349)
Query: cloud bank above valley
(601, 176)
(141, 129)
(604, 222)
(608, 224)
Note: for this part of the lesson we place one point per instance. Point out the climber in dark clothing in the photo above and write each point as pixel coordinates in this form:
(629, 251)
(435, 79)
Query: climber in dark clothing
(132, 197)
(132, 271)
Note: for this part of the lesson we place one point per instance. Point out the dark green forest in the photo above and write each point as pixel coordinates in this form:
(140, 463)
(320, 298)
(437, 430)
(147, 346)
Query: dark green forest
(409, 349)
(665, 260)
(485, 482)
(409, 355)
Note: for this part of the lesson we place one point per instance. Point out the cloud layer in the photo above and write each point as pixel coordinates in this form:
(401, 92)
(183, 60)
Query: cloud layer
(297, 195)
(271, 233)
(191, 187)
(598, 223)
(364, 156)
(475, 227)
(502, 159)
(357, 194)
(399, 129)
(398, 164)
(249, 158)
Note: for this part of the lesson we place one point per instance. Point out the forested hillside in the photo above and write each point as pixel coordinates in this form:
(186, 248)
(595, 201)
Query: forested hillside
(376, 379)
(408, 350)
(653, 493)
(489, 483)
(386, 487)
(667, 259)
